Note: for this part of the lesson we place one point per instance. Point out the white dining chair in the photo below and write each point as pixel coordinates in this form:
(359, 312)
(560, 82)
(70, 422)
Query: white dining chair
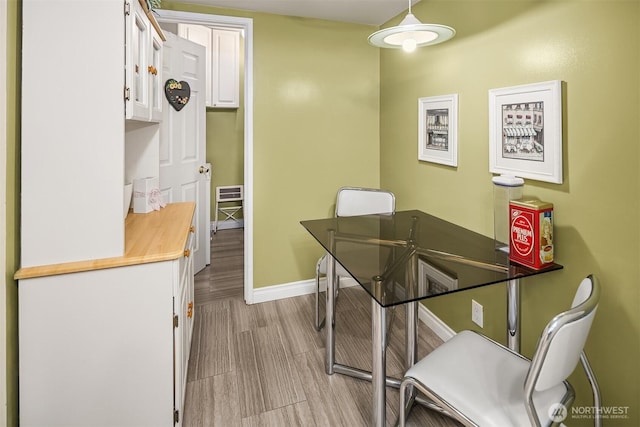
(352, 201)
(480, 382)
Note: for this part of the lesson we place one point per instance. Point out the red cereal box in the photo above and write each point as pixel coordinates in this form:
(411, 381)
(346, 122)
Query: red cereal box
(531, 233)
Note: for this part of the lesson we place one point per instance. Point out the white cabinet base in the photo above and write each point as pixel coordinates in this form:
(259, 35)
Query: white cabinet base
(97, 347)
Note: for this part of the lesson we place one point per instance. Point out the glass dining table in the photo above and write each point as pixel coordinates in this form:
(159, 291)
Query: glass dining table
(402, 258)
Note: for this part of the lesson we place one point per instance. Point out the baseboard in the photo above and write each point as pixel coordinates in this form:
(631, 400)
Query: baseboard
(227, 225)
(433, 322)
(286, 290)
(304, 287)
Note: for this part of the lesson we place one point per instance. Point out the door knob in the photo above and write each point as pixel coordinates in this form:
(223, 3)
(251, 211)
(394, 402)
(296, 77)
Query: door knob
(203, 169)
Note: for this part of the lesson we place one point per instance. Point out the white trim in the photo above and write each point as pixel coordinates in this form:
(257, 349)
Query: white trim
(246, 24)
(285, 290)
(3, 210)
(434, 323)
(294, 289)
(304, 287)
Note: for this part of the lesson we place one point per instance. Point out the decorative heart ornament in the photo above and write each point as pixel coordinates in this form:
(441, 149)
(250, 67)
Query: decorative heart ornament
(177, 93)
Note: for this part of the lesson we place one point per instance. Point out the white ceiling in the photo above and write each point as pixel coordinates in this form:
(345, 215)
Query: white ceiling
(372, 12)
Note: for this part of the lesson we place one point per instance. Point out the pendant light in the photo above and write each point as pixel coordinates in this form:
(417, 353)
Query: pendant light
(411, 33)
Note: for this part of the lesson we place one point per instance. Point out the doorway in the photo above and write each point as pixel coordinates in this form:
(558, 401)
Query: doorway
(245, 25)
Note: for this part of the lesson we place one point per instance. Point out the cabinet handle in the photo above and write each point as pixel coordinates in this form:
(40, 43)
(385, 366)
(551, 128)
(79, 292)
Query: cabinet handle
(190, 310)
(192, 229)
(187, 252)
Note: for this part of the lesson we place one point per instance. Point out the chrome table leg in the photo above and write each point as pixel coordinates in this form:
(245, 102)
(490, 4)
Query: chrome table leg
(513, 315)
(330, 308)
(378, 372)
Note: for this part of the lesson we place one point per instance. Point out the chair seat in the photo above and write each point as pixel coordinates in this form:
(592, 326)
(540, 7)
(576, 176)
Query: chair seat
(483, 380)
(322, 268)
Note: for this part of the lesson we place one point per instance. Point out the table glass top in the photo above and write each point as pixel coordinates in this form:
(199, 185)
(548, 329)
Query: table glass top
(411, 255)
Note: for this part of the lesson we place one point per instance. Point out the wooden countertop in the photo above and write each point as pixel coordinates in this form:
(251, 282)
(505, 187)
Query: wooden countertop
(155, 236)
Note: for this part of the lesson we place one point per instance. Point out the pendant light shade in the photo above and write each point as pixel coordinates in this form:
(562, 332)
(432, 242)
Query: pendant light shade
(411, 33)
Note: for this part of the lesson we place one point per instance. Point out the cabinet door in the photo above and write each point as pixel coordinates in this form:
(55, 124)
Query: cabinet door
(143, 55)
(97, 349)
(155, 76)
(181, 343)
(225, 69)
(223, 62)
(184, 311)
(137, 63)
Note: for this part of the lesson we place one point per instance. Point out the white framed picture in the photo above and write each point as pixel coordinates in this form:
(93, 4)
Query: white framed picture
(438, 129)
(525, 131)
(433, 280)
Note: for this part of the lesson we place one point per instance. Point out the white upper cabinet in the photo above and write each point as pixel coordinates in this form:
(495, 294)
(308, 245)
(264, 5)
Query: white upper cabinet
(143, 91)
(222, 60)
(225, 72)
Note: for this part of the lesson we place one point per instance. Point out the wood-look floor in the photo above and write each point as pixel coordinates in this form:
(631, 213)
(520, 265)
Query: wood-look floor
(263, 364)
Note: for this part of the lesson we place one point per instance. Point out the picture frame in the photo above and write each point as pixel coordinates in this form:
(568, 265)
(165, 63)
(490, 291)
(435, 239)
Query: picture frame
(438, 129)
(525, 131)
(433, 280)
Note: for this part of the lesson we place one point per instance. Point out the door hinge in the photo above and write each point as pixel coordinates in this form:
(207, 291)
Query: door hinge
(176, 417)
(127, 8)
(175, 320)
(127, 93)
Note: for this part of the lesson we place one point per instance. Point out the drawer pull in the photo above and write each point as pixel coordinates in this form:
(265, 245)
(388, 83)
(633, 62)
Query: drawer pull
(187, 252)
(192, 229)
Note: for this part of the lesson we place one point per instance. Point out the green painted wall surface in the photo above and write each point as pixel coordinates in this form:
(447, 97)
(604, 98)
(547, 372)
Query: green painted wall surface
(594, 48)
(316, 128)
(13, 203)
(225, 150)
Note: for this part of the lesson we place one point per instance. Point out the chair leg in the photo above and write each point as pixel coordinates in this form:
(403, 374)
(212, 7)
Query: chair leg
(390, 323)
(318, 324)
(597, 403)
(215, 218)
(402, 416)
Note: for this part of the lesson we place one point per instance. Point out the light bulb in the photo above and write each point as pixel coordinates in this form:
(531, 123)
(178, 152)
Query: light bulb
(409, 45)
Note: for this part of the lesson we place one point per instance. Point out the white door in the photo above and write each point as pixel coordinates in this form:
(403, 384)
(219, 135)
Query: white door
(183, 173)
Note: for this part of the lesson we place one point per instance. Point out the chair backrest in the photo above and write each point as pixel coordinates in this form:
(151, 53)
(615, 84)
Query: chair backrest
(352, 201)
(563, 340)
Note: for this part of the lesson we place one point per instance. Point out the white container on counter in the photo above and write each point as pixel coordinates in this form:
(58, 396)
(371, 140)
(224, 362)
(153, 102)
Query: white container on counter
(505, 189)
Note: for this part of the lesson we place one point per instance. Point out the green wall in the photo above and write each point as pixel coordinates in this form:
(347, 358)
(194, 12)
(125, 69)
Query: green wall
(14, 9)
(594, 48)
(225, 150)
(316, 129)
